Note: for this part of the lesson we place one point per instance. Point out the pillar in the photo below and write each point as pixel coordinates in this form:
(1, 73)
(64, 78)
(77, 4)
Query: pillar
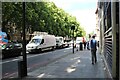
(102, 30)
(113, 17)
(119, 37)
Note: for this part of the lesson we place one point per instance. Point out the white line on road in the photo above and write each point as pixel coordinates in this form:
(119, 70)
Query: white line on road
(9, 61)
(41, 75)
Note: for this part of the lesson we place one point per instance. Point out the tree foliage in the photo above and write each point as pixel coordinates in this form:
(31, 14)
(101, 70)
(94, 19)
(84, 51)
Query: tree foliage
(41, 16)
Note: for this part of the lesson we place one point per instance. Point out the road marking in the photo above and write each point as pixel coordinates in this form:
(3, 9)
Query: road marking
(65, 51)
(41, 75)
(9, 61)
(70, 69)
(10, 75)
(68, 48)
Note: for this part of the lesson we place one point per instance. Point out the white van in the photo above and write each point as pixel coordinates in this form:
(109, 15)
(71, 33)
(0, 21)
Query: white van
(78, 41)
(40, 43)
(59, 42)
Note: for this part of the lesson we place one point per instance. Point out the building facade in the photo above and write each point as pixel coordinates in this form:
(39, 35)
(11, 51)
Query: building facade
(97, 29)
(109, 26)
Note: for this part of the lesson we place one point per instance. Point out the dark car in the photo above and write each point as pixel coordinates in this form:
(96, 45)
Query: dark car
(11, 50)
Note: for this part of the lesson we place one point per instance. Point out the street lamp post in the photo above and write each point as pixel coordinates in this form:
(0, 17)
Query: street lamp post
(73, 28)
(24, 41)
(22, 65)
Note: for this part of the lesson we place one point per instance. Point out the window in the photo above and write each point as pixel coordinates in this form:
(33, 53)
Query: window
(42, 41)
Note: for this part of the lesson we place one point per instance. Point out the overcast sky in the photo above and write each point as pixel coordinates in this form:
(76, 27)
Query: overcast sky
(84, 10)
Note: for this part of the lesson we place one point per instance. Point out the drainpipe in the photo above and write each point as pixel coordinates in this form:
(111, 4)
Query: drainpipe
(100, 26)
(119, 35)
(102, 30)
(113, 17)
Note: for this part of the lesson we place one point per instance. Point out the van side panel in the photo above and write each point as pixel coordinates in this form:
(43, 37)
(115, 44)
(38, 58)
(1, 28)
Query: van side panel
(49, 41)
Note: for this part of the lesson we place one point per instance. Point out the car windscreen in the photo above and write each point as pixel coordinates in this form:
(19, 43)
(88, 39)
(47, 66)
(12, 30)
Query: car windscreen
(60, 39)
(57, 40)
(78, 41)
(36, 41)
(3, 46)
(8, 46)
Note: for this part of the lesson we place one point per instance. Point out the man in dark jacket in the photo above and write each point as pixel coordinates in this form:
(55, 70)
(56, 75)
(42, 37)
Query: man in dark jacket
(93, 45)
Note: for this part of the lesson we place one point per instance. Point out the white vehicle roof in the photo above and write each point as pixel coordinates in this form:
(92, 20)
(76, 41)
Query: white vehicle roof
(79, 39)
(58, 37)
(37, 37)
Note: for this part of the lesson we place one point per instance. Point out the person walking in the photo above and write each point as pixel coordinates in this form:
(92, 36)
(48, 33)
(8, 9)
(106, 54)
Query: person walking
(93, 46)
(84, 43)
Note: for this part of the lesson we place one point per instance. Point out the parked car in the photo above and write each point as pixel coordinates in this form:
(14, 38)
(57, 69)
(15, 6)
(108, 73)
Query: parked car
(11, 50)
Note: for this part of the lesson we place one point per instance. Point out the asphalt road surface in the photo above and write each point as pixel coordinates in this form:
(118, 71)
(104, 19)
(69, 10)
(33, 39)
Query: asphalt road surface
(34, 61)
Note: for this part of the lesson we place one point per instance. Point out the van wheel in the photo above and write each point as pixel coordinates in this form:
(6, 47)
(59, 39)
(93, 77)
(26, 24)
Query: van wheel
(40, 50)
(53, 48)
(2, 56)
(61, 46)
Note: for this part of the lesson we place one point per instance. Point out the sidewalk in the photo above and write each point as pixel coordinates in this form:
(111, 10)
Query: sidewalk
(77, 65)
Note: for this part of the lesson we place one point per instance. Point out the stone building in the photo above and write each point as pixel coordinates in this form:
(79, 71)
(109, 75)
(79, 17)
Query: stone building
(109, 25)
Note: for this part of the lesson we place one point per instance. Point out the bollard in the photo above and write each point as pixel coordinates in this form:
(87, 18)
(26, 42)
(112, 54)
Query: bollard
(81, 46)
(21, 69)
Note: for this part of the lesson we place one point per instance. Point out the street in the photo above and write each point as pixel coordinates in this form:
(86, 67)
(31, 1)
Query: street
(27, 28)
(34, 61)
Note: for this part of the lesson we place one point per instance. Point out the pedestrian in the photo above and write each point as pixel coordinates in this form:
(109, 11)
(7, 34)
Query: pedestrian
(88, 45)
(93, 46)
(84, 43)
(98, 44)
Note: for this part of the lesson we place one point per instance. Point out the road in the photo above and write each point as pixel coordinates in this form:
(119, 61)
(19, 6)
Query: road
(34, 61)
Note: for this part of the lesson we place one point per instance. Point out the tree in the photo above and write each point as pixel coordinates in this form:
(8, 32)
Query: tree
(41, 16)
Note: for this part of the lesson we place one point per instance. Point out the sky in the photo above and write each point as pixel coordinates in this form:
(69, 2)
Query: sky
(83, 10)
